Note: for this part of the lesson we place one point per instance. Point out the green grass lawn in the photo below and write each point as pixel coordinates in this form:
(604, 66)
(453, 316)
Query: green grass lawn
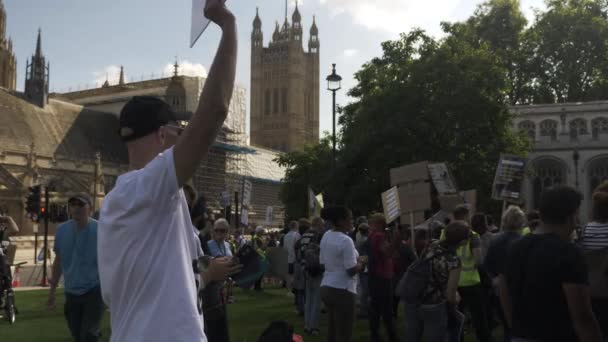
(248, 318)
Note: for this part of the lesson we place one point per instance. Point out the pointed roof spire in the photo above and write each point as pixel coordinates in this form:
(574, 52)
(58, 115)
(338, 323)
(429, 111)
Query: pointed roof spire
(39, 44)
(106, 83)
(314, 30)
(276, 34)
(121, 80)
(257, 22)
(296, 17)
(175, 68)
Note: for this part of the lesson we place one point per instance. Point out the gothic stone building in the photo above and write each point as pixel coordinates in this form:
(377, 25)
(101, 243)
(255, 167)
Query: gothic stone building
(284, 86)
(570, 147)
(8, 63)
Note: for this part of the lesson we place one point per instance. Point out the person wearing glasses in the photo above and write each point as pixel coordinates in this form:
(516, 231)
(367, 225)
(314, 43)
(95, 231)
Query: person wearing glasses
(76, 259)
(218, 246)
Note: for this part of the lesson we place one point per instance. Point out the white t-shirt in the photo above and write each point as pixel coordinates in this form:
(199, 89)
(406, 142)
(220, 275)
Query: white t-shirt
(146, 248)
(289, 243)
(338, 254)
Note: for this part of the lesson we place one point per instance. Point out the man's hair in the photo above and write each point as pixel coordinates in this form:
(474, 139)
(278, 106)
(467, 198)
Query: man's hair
(335, 214)
(378, 218)
(461, 212)
(479, 223)
(293, 225)
(489, 219)
(600, 203)
(513, 218)
(221, 223)
(317, 221)
(558, 204)
(456, 232)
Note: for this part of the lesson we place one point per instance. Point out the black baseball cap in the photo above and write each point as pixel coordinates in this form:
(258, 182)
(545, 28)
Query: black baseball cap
(80, 197)
(143, 115)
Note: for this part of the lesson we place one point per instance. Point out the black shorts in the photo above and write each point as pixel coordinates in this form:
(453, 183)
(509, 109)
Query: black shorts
(290, 269)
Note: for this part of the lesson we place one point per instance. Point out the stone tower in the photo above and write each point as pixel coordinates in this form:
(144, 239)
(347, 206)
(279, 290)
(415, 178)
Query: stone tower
(175, 95)
(8, 63)
(37, 77)
(284, 86)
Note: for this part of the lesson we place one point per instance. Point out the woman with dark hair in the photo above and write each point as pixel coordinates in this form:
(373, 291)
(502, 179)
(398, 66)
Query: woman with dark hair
(342, 264)
(594, 242)
(429, 317)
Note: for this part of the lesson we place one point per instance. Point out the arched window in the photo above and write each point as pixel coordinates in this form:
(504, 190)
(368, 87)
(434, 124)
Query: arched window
(547, 173)
(267, 102)
(548, 128)
(598, 172)
(599, 126)
(284, 95)
(577, 127)
(529, 128)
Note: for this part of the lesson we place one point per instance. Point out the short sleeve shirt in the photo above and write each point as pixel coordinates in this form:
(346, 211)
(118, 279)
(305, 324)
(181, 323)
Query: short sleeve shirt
(443, 263)
(338, 254)
(289, 243)
(496, 258)
(537, 268)
(147, 249)
(77, 251)
(383, 265)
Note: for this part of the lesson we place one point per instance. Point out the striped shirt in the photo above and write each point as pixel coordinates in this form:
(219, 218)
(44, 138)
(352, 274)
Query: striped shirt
(595, 236)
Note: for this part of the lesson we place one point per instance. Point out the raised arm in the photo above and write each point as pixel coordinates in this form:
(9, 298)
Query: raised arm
(194, 143)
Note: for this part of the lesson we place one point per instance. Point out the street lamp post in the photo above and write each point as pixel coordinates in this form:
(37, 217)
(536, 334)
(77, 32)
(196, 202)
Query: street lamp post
(334, 83)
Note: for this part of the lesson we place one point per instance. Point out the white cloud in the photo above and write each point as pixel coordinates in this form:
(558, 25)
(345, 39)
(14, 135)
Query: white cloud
(110, 73)
(396, 16)
(186, 68)
(350, 52)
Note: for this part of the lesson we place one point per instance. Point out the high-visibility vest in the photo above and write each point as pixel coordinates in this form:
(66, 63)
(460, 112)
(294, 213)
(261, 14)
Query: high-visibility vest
(526, 231)
(469, 276)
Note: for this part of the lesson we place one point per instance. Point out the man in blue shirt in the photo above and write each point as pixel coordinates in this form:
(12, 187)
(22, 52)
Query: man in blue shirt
(76, 258)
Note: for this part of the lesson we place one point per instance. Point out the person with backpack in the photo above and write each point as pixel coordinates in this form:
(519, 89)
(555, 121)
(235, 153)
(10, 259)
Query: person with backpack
(308, 255)
(429, 288)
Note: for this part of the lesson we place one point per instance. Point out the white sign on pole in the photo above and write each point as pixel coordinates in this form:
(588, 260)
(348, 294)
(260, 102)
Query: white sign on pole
(35, 228)
(269, 216)
(245, 217)
(391, 204)
(247, 186)
(442, 179)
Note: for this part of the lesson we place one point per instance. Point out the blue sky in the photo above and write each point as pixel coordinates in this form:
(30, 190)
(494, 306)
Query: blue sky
(85, 39)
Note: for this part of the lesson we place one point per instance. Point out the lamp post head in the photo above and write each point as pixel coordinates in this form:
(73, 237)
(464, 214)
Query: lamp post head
(334, 81)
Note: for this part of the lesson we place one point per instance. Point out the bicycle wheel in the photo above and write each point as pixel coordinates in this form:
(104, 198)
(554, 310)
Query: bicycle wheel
(9, 308)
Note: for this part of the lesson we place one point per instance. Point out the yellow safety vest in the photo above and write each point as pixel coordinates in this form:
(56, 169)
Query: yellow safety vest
(526, 231)
(469, 276)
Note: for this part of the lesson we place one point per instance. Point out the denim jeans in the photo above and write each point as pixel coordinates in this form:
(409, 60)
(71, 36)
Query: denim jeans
(83, 314)
(312, 309)
(430, 321)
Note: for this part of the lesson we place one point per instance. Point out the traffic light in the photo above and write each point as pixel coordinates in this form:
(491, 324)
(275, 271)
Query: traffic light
(32, 204)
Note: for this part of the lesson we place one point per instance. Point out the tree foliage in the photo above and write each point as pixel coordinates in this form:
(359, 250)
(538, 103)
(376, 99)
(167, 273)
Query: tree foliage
(448, 99)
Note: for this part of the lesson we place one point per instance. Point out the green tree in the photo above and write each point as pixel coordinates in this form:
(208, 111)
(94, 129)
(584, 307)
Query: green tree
(570, 43)
(309, 167)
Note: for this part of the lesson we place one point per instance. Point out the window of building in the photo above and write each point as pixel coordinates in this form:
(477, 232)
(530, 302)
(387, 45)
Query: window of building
(529, 128)
(548, 128)
(577, 128)
(276, 101)
(547, 173)
(599, 126)
(284, 96)
(598, 173)
(267, 102)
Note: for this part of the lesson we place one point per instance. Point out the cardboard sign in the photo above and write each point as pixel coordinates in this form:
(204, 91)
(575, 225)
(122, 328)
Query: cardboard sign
(199, 22)
(409, 173)
(247, 187)
(442, 179)
(509, 177)
(391, 205)
(415, 197)
(450, 202)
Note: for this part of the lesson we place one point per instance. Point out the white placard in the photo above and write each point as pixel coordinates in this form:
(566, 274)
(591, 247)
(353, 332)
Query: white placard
(245, 217)
(247, 186)
(199, 21)
(391, 204)
(269, 216)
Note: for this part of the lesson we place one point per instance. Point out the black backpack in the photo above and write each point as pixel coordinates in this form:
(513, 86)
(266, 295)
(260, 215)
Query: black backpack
(413, 283)
(310, 254)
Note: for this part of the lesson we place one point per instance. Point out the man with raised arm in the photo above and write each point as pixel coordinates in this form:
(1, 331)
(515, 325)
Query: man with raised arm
(149, 254)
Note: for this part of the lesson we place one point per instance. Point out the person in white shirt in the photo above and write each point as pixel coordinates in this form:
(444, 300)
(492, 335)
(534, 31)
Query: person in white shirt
(342, 264)
(149, 254)
(289, 242)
